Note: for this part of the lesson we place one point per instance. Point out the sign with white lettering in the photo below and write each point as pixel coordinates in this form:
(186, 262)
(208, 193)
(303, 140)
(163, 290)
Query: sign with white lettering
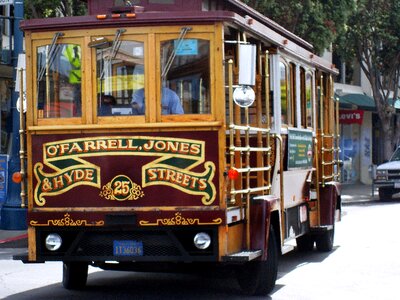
(6, 2)
(300, 144)
(353, 116)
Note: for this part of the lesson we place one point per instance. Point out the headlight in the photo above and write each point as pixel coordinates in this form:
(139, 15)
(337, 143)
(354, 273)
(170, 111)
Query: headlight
(53, 242)
(202, 240)
(381, 174)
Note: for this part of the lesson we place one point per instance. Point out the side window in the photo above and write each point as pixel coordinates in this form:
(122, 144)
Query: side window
(309, 100)
(306, 99)
(120, 79)
(59, 81)
(284, 92)
(292, 96)
(185, 76)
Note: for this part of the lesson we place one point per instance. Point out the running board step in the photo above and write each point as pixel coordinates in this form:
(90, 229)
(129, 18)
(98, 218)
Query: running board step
(242, 256)
(287, 248)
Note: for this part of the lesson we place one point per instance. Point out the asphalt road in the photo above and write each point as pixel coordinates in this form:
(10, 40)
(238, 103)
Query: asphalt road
(364, 265)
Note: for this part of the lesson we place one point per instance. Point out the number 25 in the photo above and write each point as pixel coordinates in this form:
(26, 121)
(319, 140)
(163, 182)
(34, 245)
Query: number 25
(121, 187)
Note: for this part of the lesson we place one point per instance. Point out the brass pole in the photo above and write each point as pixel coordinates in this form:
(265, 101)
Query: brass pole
(321, 117)
(47, 106)
(267, 117)
(282, 202)
(231, 126)
(247, 138)
(22, 135)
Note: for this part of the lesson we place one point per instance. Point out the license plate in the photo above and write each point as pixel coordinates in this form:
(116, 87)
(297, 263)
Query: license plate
(128, 248)
(397, 185)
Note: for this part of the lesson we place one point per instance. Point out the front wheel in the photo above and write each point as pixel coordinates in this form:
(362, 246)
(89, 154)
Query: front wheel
(74, 275)
(385, 193)
(259, 277)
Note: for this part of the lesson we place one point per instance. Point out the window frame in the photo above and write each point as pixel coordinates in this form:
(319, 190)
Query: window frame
(163, 37)
(139, 37)
(41, 121)
(283, 62)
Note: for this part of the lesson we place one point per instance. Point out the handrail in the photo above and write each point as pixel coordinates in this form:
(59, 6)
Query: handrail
(22, 136)
(282, 194)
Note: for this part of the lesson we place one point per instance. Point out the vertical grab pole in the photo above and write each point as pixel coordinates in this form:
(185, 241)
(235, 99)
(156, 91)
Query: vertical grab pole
(22, 135)
(337, 128)
(321, 117)
(231, 127)
(267, 118)
(247, 138)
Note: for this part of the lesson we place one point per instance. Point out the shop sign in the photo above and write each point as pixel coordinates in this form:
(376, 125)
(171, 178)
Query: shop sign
(354, 116)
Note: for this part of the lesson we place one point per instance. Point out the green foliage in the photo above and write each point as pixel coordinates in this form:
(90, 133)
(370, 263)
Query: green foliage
(51, 8)
(373, 38)
(319, 22)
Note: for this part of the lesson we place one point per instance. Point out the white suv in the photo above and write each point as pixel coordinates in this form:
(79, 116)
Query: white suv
(387, 177)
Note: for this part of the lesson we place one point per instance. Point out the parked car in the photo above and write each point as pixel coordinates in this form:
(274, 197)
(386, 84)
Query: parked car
(387, 177)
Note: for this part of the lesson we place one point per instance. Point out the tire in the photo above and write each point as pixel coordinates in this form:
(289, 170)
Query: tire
(324, 241)
(385, 193)
(305, 243)
(74, 275)
(259, 277)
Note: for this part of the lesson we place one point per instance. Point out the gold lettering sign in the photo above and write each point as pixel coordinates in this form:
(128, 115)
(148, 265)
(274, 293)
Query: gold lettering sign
(174, 160)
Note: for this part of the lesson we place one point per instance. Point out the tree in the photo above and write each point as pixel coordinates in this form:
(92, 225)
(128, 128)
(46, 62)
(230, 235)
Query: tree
(51, 8)
(373, 37)
(318, 22)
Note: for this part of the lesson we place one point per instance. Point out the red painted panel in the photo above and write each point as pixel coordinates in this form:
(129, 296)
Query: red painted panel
(328, 204)
(106, 6)
(137, 218)
(126, 170)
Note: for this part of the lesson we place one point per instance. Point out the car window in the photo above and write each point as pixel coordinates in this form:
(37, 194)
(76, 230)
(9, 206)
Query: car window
(396, 155)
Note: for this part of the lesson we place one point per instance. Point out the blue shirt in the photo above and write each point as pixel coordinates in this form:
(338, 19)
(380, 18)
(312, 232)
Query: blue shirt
(170, 102)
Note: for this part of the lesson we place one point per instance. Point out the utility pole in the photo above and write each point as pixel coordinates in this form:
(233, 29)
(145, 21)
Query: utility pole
(13, 216)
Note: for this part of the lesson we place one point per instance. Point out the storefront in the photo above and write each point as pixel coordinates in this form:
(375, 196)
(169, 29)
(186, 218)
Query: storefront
(356, 114)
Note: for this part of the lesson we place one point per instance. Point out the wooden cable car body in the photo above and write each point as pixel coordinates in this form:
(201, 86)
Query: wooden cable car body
(228, 182)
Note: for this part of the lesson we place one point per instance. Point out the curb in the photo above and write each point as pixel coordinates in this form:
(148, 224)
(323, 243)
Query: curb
(14, 238)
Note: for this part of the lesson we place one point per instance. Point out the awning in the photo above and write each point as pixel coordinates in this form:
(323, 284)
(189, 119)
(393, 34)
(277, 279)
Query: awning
(361, 101)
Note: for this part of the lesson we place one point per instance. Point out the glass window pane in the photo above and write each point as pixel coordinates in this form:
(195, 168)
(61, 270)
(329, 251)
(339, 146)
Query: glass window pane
(284, 95)
(309, 106)
(185, 76)
(120, 79)
(59, 81)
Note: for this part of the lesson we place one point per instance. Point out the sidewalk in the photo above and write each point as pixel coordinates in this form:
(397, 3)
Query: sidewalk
(13, 239)
(358, 192)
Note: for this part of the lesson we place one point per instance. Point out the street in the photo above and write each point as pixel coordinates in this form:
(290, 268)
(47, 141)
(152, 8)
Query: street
(364, 264)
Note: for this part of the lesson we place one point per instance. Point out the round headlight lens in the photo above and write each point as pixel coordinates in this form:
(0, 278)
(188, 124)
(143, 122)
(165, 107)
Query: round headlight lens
(53, 242)
(202, 240)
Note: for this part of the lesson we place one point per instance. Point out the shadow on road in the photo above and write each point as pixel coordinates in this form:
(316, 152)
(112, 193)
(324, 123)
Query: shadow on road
(130, 285)
(217, 284)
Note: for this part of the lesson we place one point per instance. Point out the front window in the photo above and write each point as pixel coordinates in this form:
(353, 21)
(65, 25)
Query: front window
(120, 79)
(185, 76)
(59, 81)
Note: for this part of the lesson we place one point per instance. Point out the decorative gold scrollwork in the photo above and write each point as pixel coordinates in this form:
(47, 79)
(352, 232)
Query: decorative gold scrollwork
(179, 221)
(66, 221)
